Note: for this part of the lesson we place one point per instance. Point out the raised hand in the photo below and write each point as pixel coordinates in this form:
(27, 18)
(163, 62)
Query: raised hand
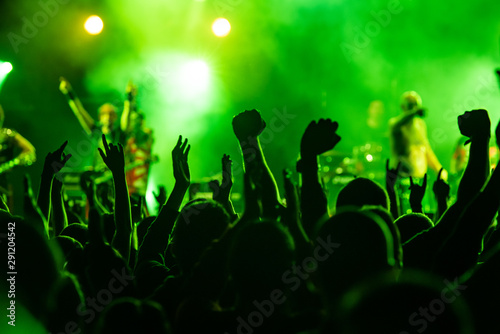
(391, 175)
(113, 156)
(221, 192)
(440, 188)
(319, 137)
(180, 162)
(417, 193)
(161, 197)
(55, 161)
(474, 124)
(248, 124)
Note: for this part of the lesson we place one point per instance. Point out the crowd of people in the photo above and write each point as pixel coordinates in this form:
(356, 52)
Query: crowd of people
(283, 265)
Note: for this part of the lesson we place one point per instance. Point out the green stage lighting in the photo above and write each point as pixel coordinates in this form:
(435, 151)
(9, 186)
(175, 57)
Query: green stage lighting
(5, 68)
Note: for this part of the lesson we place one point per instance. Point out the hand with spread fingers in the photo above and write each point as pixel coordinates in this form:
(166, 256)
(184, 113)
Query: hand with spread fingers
(55, 161)
(440, 188)
(113, 156)
(391, 175)
(161, 196)
(417, 193)
(180, 162)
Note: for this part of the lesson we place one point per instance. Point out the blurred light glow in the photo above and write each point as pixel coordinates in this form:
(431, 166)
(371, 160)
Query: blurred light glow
(369, 157)
(221, 27)
(94, 25)
(5, 68)
(194, 76)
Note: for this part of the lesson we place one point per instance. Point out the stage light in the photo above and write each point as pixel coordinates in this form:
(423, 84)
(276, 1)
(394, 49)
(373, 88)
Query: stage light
(195, 75)
(94, 25)
(5, 68)
(221, 27)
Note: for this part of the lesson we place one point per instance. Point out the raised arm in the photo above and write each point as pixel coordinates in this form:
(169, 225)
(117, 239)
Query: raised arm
(417, 193)
(156, 239)
(222, 192)
(54, 162)
(475, 125)
(442, 193)
(59, 217)
(292, 217)
(85, 120)
(318, 138)
(397, 122)
(113, 158)
(422, 250)
(31, 210)
(247, 127)
(461, 252)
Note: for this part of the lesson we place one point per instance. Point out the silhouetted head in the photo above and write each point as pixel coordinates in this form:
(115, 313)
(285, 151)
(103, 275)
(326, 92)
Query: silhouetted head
(352, 246)
(417, 303)
(410, 101)
(387, 218)
(411, 224)
(130, 315)
(77, 231)
(360, 192)
(68, 245)
(37, 264)
(199, 223)
(107, 115)
(261, 253)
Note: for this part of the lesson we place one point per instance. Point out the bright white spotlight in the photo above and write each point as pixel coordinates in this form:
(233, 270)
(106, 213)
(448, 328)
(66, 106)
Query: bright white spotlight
(5, 68)
(221, 27)
(94, 25)
(194, 77)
